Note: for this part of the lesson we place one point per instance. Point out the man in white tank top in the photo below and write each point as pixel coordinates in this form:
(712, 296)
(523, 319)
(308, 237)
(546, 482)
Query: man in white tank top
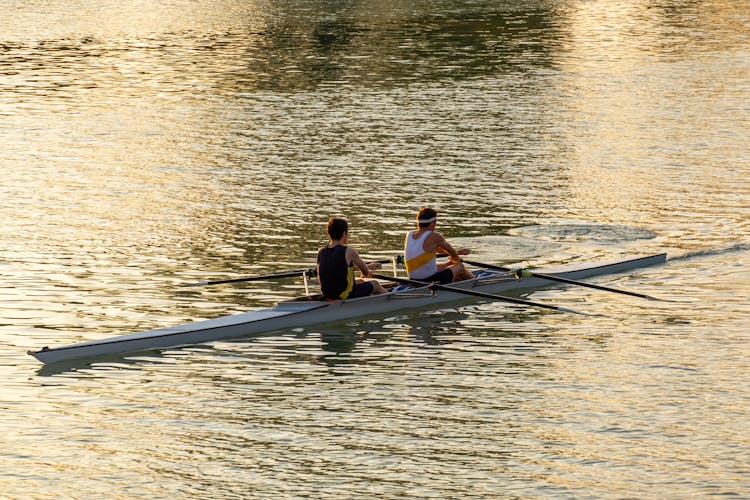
(420, 250)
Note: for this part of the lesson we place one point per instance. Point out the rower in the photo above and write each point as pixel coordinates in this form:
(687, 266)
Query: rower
(336, 263)
(420, 250)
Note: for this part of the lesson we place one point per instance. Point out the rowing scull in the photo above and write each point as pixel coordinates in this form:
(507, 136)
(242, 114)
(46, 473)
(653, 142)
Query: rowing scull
(303, 312)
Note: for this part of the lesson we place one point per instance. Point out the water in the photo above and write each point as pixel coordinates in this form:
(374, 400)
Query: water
(150, 145)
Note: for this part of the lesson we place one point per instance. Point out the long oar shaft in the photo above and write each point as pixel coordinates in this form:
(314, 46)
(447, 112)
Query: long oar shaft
(550, 277)
(475, 293)
(283, 274)
(310, 271)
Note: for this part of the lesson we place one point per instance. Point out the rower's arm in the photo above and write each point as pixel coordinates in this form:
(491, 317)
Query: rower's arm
(445, 247)
(357, 261)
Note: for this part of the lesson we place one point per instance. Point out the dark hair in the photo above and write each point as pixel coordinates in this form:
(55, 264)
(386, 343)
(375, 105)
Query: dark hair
(336, 228)
(424, 214)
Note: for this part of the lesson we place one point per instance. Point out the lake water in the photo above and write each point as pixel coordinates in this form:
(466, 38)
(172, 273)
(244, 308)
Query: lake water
(146, 145)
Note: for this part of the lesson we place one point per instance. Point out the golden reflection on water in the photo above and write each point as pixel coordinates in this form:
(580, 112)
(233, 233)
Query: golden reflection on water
(150, 144)
(619, 120)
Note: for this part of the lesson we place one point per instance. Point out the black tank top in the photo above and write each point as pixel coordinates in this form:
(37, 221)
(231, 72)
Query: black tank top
(336, 278)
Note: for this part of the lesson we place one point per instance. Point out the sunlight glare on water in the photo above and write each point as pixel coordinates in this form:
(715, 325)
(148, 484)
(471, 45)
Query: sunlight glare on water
(148, 145)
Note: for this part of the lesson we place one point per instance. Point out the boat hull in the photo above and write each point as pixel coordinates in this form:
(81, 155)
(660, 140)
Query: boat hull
(301, 313)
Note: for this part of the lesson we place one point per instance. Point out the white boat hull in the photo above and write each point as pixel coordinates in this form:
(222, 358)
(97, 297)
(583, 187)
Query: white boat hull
(300, 313)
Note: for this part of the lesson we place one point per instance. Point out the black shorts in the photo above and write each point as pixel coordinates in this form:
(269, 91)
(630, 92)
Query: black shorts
(361, 290)
(442, 277)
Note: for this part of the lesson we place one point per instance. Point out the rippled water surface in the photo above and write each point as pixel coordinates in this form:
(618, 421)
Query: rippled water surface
(146, 145)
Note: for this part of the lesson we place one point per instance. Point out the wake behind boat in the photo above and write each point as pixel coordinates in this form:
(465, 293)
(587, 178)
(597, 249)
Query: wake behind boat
(313, 310)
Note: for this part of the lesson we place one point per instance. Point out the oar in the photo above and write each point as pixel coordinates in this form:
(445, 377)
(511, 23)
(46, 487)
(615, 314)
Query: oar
(527, 273)
(311, 271)
(483, 295)
(284, 274)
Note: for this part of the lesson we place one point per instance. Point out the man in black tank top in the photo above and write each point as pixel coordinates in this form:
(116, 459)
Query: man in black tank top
(336, 264)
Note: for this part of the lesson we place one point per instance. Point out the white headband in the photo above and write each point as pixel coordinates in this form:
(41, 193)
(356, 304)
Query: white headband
(426, 221)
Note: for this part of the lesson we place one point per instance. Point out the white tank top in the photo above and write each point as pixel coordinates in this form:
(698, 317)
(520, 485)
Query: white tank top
(419, 264)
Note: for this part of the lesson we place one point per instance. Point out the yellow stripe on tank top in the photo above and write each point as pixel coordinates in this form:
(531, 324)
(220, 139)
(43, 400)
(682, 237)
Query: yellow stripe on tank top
(349, 283)
(419, 261)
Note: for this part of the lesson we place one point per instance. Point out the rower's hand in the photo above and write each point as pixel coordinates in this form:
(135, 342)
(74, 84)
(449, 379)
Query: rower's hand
(374, 266)
(463, 251)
